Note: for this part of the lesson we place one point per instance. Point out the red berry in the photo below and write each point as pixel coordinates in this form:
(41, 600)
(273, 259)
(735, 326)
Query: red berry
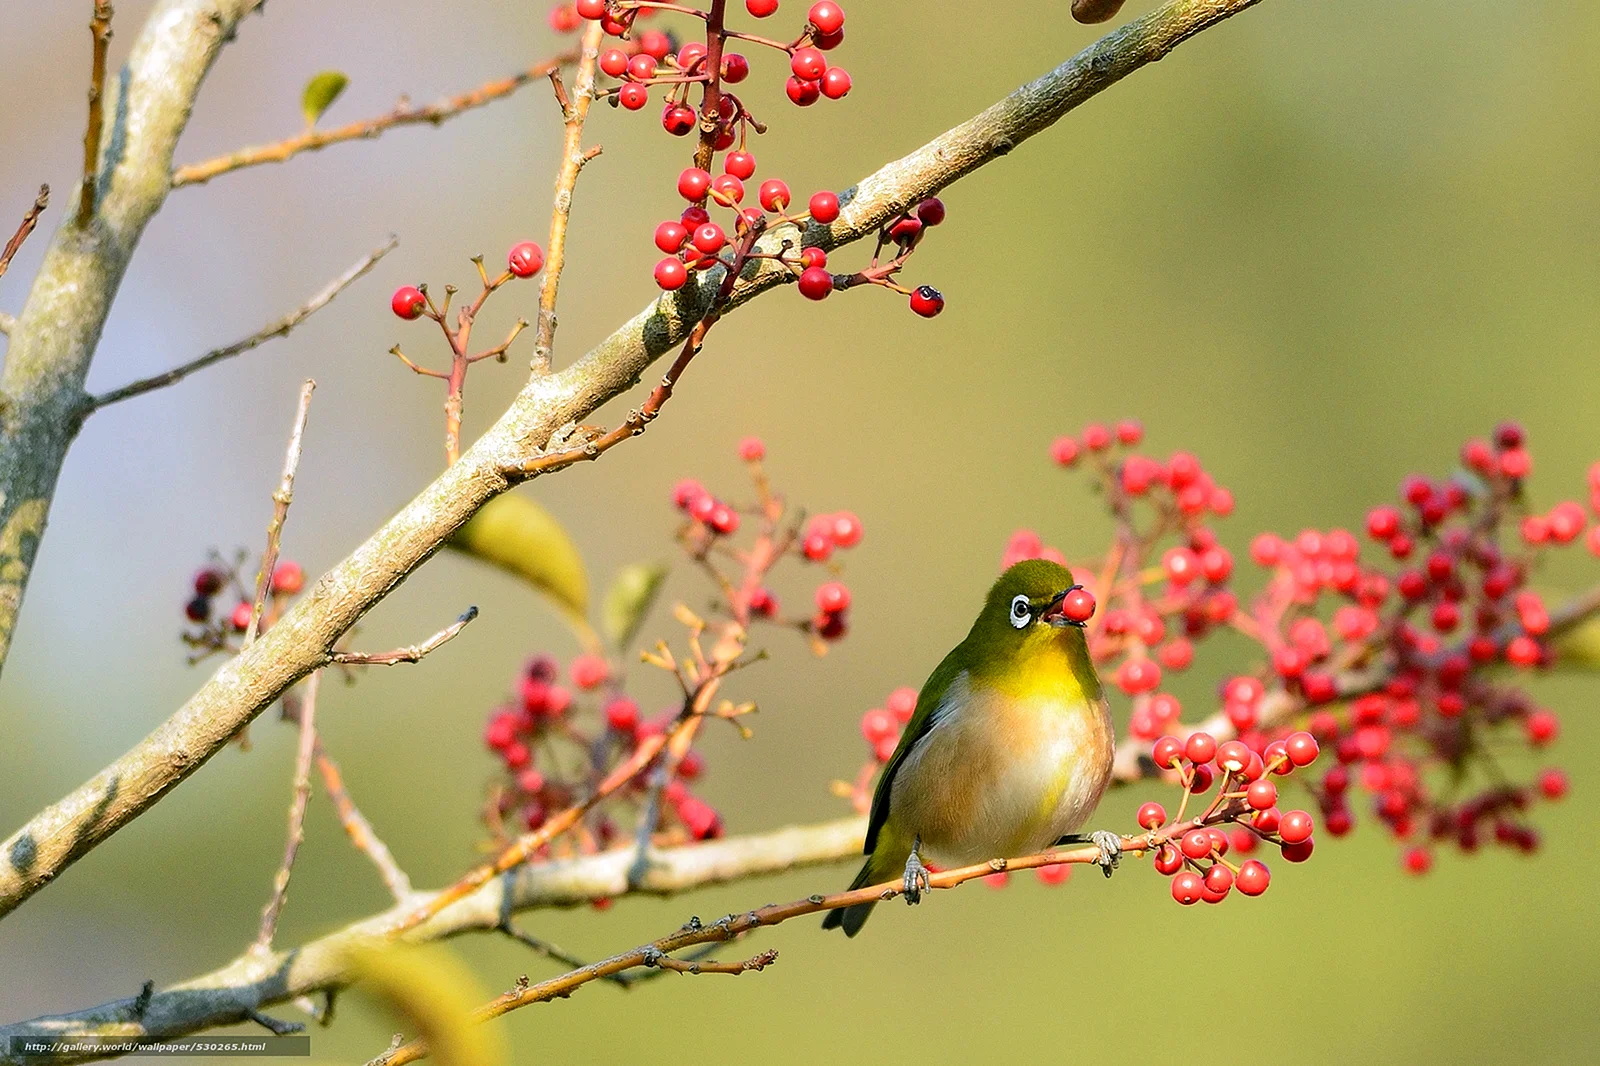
(774, 195)
(589, 671)
(927, 301)
(655, 43)
(724, 519)
(525, 259)
(563, 18)
(1553, 783)
(693, 184)
(1253, 877)
(1054, 874)
(815, 283)
(727, 190)
(752, 449)
(808, 64)
(288, 578)
(1196, 844)
(1261, 795)
(902, 703)
(633, 96)
(1078, 605)
(671, 236)
(1187, 888)
(1417, 860)
(1298, 852)
(678, 120)
(614, 61)
(622, 714)
(1167, 753)
(845, 529)
(735, 68)
(802, 93)
(1301, 748)
(710, 239)
(878, 725)
(1064, 450)
(1200, 747)
(1295, 827)
(1218, 883)
(835, 83)
(694, 217)
(826, 16)
(1541, 727)
(763, 603)
(591, 9)
(671, 274)
(833, 597)
(824, 207)
(1168, 860)
(817, 547)
(240, 619)
(642, 67)
(740, 164)
(1152, 816)
(691, 54)
(408, 302)
(761, 8)
(1234, 756)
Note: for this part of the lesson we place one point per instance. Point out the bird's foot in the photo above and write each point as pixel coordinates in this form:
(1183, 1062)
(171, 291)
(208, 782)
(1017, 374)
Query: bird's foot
(1110, 846)
(916, 880)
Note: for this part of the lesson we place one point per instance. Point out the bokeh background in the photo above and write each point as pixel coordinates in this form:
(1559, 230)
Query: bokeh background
(1319, 246)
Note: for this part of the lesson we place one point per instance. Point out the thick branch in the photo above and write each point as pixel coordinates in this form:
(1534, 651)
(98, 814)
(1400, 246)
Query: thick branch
(146, 105)
(250, 984)
(301, 640)
(403, 115)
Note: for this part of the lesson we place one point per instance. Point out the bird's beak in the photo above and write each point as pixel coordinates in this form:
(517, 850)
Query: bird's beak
(1052, 613)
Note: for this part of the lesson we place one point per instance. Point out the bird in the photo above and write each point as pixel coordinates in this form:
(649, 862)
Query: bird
(1009, 749)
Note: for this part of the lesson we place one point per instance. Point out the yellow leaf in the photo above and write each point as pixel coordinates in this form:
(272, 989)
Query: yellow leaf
(320, 93)
(434, 994)
(1579, 647)
(515, 534)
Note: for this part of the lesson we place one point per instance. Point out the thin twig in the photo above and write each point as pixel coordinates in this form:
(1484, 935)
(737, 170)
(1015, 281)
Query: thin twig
(359, 830)
(575, 109)
(100, 30)
(279, 328)
(412, 654)
(281, 499)
(403, 115)
(297, 817)
(29, 220)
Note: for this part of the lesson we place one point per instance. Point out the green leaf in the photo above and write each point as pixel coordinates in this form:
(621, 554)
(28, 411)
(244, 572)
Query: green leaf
(629, 599)
(320, 93)
(517, 535)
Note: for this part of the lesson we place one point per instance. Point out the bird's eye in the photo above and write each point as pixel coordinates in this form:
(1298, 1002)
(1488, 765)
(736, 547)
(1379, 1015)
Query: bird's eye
(1021, 612)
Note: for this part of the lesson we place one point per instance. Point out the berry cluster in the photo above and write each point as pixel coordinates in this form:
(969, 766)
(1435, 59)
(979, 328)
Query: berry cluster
(214, 630)
(646, 59)
(710, 521)
(1389, 660)
(551, 740)
(554, 742)
(411, 302)
(1194, 854)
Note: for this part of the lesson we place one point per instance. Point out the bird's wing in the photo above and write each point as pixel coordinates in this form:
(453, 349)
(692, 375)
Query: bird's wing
(930, 707)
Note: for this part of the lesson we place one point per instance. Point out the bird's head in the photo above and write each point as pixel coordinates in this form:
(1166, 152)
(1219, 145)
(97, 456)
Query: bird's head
(1033, 607)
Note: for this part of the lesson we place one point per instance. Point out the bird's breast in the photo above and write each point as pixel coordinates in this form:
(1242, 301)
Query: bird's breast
(1004, 774)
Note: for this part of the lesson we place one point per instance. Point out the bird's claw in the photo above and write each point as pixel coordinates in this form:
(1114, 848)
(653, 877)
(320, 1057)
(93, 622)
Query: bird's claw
(1110, 846)
(916, 880)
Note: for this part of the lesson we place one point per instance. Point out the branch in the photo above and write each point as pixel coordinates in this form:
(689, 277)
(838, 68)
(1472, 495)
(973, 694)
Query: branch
(100, 30)
(300, 641)
(29, 220)
(281, 499)
(251, 984)
(366, 129)
(297, 817)
(359, 830)
(575, 109)
(54, 337)
(411, 654)
(278, 328)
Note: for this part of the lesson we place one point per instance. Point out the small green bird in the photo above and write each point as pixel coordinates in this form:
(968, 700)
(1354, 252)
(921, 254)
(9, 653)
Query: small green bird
(1010, 748)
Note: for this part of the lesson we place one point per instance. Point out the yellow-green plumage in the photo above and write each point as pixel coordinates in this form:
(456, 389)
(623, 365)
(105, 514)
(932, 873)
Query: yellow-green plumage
(1010, 747)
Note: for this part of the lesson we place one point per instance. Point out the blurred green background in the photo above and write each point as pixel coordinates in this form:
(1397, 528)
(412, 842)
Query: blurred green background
(1319, 246)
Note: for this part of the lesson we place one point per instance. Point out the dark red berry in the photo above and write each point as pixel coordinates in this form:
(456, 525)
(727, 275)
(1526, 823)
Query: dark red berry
(815, 283)
(802, 92)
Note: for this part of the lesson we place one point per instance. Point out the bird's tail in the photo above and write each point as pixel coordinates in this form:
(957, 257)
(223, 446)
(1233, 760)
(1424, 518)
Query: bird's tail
(880, 866)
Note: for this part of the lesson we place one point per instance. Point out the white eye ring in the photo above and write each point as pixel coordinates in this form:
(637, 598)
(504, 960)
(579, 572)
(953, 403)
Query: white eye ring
(1021, 613)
